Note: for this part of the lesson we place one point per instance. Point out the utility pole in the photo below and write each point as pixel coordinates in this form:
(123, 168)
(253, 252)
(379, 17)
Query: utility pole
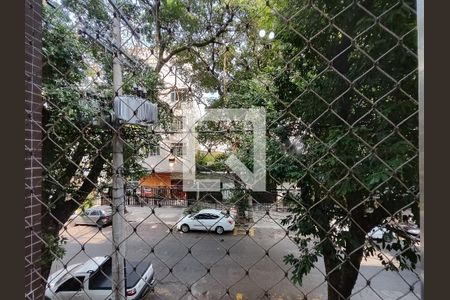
(118, 245)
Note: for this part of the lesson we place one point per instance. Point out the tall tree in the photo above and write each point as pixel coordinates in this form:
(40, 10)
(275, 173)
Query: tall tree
(77, 154)
(339, 83)
(351, 91)
(78, 66)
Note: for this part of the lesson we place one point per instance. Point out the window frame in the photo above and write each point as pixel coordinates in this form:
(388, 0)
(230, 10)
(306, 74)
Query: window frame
(213, 216)
(177, 123)
(202, 214)
(155, 150)
(177, 149)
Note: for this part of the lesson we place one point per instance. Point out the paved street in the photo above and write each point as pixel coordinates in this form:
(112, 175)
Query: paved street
(261, 253)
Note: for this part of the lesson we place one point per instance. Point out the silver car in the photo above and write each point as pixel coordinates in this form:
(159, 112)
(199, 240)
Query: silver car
(100, 216)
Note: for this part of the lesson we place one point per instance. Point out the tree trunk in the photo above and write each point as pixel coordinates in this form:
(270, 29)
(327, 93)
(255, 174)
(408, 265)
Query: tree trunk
(342, 276)
(54, 218)
(242, 202)
(250, 207)
(341, 281)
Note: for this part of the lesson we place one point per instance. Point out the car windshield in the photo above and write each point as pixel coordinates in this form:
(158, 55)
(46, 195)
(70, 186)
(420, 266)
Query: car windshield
(70, 273)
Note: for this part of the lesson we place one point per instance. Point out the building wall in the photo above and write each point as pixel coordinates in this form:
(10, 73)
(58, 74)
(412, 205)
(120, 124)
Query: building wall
(162, 185)
(33, 172)
(174, 82)
(154, 180)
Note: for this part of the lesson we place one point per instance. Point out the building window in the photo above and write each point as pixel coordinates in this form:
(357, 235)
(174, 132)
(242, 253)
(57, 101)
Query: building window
(154, 150)
(179, 95)
(177, 149)
(177, 124)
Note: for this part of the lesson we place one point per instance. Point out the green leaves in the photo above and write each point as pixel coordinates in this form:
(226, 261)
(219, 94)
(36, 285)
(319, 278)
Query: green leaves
(358, 162)
(53, 248)
(302, 265)
(377, 178)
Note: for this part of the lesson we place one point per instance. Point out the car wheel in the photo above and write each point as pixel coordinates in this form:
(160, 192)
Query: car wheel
(184, 228)
(219, 229)
(100, 224)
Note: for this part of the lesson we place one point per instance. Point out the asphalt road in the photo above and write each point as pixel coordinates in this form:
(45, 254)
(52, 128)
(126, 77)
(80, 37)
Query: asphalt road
(230, 266)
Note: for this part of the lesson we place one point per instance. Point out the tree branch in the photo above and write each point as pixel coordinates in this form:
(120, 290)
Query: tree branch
(199, 44)
(158, 37)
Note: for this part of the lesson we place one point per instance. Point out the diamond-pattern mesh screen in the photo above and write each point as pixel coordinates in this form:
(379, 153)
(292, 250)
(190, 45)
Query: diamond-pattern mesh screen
(334, 86)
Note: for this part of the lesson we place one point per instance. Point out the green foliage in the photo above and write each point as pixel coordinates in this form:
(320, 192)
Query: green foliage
(354, 122)
(75, 153)
(362, 155)
(192, 209)
(341, 112)
(88, 203)
(303, 265)
(53, 248)
(70, 59)
(239, 199)
(211, 161)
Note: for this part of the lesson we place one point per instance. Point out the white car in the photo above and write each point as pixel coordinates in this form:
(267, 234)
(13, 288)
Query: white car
(208, 220)
(382, 233)
(92, 280)
(379, 233)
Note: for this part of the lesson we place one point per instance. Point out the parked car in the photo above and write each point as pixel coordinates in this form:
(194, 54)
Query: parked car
(208, 220)
(403, 230)
(93, 280)
(98, 215)
(380, 233)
